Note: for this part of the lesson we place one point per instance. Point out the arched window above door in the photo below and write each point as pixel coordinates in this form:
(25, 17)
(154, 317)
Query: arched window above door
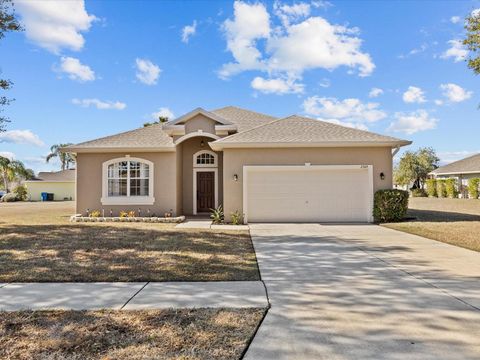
(205, 158)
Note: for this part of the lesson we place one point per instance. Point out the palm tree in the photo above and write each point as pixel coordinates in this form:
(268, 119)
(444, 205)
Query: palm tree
(65, 158)
(11, 170)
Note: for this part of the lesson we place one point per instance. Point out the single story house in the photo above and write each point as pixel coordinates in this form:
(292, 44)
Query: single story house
(268, 169)
(60, 183)
(462, 170)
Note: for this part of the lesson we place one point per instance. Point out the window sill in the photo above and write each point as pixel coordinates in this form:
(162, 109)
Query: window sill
(128, 200)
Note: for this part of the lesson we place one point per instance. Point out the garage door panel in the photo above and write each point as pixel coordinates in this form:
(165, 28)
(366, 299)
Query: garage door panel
(279, 194)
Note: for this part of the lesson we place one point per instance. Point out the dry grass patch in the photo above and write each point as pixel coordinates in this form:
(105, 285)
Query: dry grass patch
(162, 334)
(452, 221)
(38, 244)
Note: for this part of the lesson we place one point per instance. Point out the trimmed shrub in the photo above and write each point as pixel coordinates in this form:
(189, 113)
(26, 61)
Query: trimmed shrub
(451, 188)
(418, 193)
(94, 213)
(21, 192)
(390, 205)
(431, 185)
(473, 187)
(441, 189)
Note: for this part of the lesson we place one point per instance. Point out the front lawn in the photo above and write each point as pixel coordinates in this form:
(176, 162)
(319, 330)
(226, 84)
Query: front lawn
(200, 334)
(39, 244)
(452, 221)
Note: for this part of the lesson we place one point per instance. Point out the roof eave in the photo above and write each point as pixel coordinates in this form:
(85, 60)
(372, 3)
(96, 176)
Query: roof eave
(219, 145)
(455, 172)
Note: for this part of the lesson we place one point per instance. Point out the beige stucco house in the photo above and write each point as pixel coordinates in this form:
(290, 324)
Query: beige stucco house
(269, 169)
(59, 183)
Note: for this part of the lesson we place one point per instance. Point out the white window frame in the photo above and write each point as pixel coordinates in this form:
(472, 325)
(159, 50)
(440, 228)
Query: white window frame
(127, 200)
(204, 168)
(198, 153)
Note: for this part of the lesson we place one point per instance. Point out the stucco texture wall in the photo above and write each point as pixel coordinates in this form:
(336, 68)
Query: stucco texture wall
(89, 182)
(60, 190)
(235, 159)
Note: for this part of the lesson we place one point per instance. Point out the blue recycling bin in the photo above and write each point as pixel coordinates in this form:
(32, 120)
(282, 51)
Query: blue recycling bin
(44, 196)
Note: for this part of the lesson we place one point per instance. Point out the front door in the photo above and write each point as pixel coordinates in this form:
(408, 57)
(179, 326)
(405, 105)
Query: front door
(205, 191)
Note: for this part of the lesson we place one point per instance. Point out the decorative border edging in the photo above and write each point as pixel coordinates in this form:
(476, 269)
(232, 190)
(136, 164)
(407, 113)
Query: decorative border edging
(171, 220)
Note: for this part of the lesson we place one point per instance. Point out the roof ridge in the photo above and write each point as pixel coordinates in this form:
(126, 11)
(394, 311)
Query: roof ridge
(243, 109)
(251, 129)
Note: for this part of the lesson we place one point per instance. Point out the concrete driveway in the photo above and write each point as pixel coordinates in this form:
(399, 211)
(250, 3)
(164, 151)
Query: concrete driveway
(365, 292)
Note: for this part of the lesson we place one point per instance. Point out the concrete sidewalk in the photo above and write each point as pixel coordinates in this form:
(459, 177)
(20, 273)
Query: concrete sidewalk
(131, 296)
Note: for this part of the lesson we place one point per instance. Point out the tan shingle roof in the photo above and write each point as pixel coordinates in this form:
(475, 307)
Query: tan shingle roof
(253, 128)
(296, 129)
(244, 119)
(150, 137)
(468, 165)
(63, 175)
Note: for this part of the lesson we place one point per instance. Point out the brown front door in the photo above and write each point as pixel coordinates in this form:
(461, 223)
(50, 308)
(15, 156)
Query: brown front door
(205, 191)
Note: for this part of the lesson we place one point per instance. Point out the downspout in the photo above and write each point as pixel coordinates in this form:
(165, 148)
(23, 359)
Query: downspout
(395, 151)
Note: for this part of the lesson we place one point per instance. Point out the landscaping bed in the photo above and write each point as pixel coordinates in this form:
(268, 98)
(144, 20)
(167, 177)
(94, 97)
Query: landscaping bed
(39, 244)
(452, 221)
(200, 334)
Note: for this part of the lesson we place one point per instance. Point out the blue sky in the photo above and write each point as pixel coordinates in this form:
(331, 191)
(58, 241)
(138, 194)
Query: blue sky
(83, 70)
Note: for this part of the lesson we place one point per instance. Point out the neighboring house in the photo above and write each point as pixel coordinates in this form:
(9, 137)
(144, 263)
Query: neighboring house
(462, 170)
(269, 169)
(60, 183)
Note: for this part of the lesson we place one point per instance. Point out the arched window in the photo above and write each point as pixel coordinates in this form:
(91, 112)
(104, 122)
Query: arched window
(205, 158)
(127, 180)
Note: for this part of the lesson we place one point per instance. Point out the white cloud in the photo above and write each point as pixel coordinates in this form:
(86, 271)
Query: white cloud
(375, 92)
(147, 72)
(414, 51)
(21, 137)
(75, 69)
(414, 95)
(456, 51)
(7, 154)
(455, 93)
(325, 83)
(101, 105)
(56, 24)
(321, 4)
(163, 112)
(347, 112)
(438, 102)
(475, 12)
(250, 22)
(290, 49)
(289, 13)
(410, 123)
(188, 31)
(276, 86)
(455, 19)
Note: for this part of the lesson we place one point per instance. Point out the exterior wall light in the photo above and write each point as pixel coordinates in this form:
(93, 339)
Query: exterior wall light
(235, 177)
(382, 176)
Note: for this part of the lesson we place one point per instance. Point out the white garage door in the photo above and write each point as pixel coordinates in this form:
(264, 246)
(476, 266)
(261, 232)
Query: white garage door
(319, 193)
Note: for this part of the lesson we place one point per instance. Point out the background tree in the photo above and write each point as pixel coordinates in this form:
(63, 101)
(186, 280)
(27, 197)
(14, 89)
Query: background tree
(66, 159)
(13, 171)
(472, 41)
(8, 23)
(161, 120)
(414, 167)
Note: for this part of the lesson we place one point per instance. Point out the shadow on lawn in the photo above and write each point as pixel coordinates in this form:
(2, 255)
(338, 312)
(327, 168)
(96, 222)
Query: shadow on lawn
(86, 253)
(440, 216)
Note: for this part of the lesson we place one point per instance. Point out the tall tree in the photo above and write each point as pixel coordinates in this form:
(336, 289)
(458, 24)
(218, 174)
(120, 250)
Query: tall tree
(472, 41)
(414, 167)
(66, 159)
(8, 23)
(13, 170)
